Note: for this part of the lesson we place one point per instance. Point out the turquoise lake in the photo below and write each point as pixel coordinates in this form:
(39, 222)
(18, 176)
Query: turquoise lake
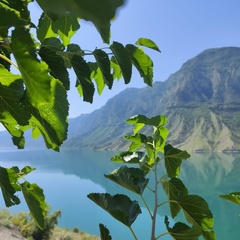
(68, 177)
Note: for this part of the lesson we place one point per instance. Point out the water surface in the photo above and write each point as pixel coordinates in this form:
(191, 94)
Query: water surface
(68, 177)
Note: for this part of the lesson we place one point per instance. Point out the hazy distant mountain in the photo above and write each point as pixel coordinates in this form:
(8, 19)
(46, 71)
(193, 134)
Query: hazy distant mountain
(201, 101)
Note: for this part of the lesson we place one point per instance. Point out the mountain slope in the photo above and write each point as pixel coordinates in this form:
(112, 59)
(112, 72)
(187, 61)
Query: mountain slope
(201, 101)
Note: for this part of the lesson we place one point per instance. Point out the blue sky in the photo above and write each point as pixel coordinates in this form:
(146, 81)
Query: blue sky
(182, 29)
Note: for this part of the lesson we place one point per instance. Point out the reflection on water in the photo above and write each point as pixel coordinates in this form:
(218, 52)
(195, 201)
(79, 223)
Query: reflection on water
(67, 178)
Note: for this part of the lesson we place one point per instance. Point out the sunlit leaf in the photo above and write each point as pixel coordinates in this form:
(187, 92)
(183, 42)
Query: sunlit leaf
(128, 157)
(130, 178)
(103, 63)
(123, 60)
(120, 206)
(9, 186)
(181, 231)
(104, 233)
(232, 197)
(147, 43)
(116, 70)
(173, 160)
(46, 95)
(142, 62)
(175, 191)
(35, 200)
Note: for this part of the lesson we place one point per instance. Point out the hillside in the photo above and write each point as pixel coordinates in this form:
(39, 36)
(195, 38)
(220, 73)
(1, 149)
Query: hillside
(201, 101)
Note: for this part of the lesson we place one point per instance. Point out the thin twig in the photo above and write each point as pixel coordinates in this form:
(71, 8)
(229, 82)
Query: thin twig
(9, 61)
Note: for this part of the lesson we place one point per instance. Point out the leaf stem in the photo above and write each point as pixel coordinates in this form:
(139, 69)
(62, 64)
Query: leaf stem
(8, 60)
(146, 205)
(134, 235)
(154, 216)
(161, 235)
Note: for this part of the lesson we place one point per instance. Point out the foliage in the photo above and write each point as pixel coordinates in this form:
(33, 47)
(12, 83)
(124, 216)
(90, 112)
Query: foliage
(199, 219)
(36, 97)
(30, 230)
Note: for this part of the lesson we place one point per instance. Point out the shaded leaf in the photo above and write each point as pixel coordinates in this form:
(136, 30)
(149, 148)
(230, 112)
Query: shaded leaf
(104, 233)
(173, 160)
(123, 60)
(175, 191)
(35, 200)
(103, 63)
(128, 157)
(100, 13)
(147, 43)
(84, 83)
(197, 212)
(137, 141)
(181, 231)
(9, 186)
(44, 29)
(120, 206)
(130, 178)
(56, 65)
(233, 197)
(157, 121)
(142, 62)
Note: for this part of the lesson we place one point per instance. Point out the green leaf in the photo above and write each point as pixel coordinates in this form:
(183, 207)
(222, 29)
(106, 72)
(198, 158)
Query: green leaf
(84, 83)
(103, 63)
(46, 95)
(116, 70)
(9, 186)
(13, 13)
(56, 65)
(142, 62)
(175, 191)
(130, 178)
(104, 233)
(197, 212)
(147, 43)
(137, 141)
(123, 60)
(128, 157)
(99, 13)
(233, 197)
(173, 159)
(97, 75)
(65, 27)
(120, 206)
(12, 91)
(35, 200)
(139, 121)
(157, 121)
(181, 231)
(44, 29)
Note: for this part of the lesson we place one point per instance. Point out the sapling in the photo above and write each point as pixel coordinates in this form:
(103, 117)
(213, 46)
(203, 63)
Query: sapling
(147, 152)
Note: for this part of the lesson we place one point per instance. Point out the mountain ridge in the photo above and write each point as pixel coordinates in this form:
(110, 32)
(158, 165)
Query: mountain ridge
(201, 101)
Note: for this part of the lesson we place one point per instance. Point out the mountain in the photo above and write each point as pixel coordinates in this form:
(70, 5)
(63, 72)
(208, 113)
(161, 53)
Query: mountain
(201, 101)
